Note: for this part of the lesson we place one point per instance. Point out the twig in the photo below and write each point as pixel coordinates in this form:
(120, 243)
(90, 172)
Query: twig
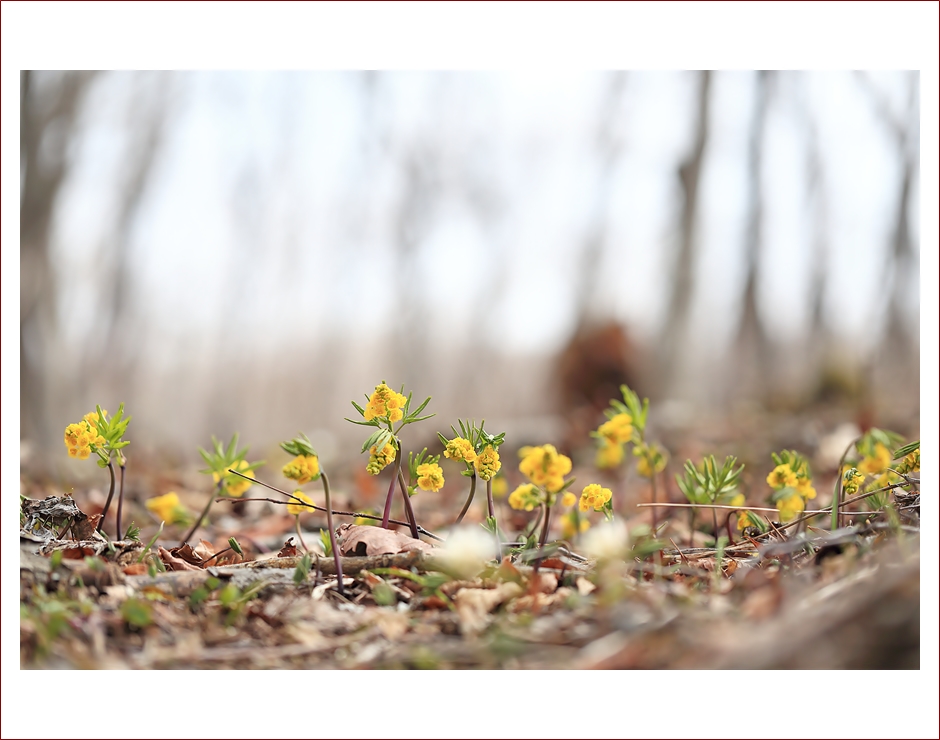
(752, 508)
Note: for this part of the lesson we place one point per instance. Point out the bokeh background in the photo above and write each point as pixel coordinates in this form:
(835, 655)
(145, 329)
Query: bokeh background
(249, 251)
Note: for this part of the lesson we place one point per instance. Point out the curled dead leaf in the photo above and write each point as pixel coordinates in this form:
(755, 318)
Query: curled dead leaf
(174, 563)
(356, 539)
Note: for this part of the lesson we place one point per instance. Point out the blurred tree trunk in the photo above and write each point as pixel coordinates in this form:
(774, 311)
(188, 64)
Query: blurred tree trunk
(672, 370)
(49, 110)
(750, 371)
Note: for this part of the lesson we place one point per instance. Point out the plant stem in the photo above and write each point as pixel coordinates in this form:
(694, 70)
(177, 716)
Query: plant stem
(491, 512)
(391, 490)
(120, 533)
(299, 535)
(107, 504)
(329, 523)
(466, 506)
(409, 511)
(535, 524)
(543, 535)
(205, 511)
(653, 484)
(836, 521)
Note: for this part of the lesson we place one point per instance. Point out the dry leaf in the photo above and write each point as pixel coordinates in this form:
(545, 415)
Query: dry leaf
(356, 539)
(475, 604)
(175, 563)
(186, 553)
(288, 551)
(135, 569)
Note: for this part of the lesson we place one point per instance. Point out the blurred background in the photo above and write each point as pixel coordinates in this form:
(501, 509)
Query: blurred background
(249, 251)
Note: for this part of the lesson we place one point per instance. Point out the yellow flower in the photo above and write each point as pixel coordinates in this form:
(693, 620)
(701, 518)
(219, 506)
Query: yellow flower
(460, 450)
(643, 466)
(167, 507)
(569, 499)
(617, 430)
(609, 455)
(804, 487)
(790, 507)
(500, 486)
(296, 508)
(303, 468)
(878, 462)
(385, 403)
(747, 519)
(736, 500)
(545, 467)
(92, 418)
(430, 477)
(379, 460)
(82, 439)
(524, 498)
(235, 485)
(568, 526)
(911, 463)
(782, 477)
(594, 497)
(851, 480)
(487, 463)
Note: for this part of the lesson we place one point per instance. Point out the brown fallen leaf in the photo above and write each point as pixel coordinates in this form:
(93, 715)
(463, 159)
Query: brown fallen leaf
(356, 539)
(474, 605)
(135, 569)
(83, 528)
(174, 563)
(288, 551)
(186, 553)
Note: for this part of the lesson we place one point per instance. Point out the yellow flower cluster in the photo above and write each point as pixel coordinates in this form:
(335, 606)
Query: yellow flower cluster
(385, 403)
(296, 508)
(303, 469)
(618, 429)
(569, 499)
(643, 466)
(877, 462)
(487, 463)
(430, 477)
(167, 508)
(609, 455)
(235, 485)
(851, 480)
(747, 519)
(460, 450)
(82, 438)
(524, 498)
(380, 459)
(793, 504)
(545, 467)
(910, 463)
(571, 524)
(594, 497)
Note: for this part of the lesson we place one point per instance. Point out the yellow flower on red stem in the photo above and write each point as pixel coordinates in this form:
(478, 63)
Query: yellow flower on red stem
(380, 459)
(167, 508)
(594, 497)
(460, 450)
(487, 463)
(609, 455)
(618, 429)
(430, 477)
(525, 497)
(297, 508)
(782, 476)
(545, 467)
(385, 403)
(303, 468)
(877, 462)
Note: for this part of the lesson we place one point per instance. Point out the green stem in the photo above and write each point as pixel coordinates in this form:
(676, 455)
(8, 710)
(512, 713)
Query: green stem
(409, 511)
(205, 511)
(535, 524)
(491, 512)
(120, 532)
(837, 491)
(466, 506)
(107, 504)
(329, 523)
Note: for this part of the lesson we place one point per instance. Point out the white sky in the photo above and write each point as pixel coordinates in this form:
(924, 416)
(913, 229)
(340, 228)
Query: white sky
(485, 36)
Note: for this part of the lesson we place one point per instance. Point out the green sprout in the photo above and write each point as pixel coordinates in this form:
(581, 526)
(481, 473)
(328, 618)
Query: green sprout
(707, 484)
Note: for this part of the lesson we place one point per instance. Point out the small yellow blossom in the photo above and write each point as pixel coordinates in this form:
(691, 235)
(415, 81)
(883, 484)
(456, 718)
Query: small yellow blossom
(296, 508)
(545, 467)
(92, 418)
(385, 403)
(878, 462)
(617, 430)
(747, 519)
(487, 463)
(594, 497)
(851, 480)
(82, 439)
(790, 507)
(430, 477)
(782, 476)
(911, 463)
(804, 486)
(643, 466)
(167, 507)
(569, 499)
(736, 500)
(524, 498)
(460, 450)
(500, 486)
(568, 531)
(609, 455)
(303, 469)
(235, 485)
(379, 460)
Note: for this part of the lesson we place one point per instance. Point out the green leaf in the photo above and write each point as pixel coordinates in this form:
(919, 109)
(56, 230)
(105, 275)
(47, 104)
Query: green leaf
(233, 543)
(906, 450)
(137, 613)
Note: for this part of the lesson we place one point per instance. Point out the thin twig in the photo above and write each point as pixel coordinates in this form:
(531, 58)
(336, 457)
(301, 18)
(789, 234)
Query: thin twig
(748, 508)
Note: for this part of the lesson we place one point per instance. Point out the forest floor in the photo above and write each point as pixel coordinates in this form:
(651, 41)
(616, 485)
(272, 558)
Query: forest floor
(800, 597)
